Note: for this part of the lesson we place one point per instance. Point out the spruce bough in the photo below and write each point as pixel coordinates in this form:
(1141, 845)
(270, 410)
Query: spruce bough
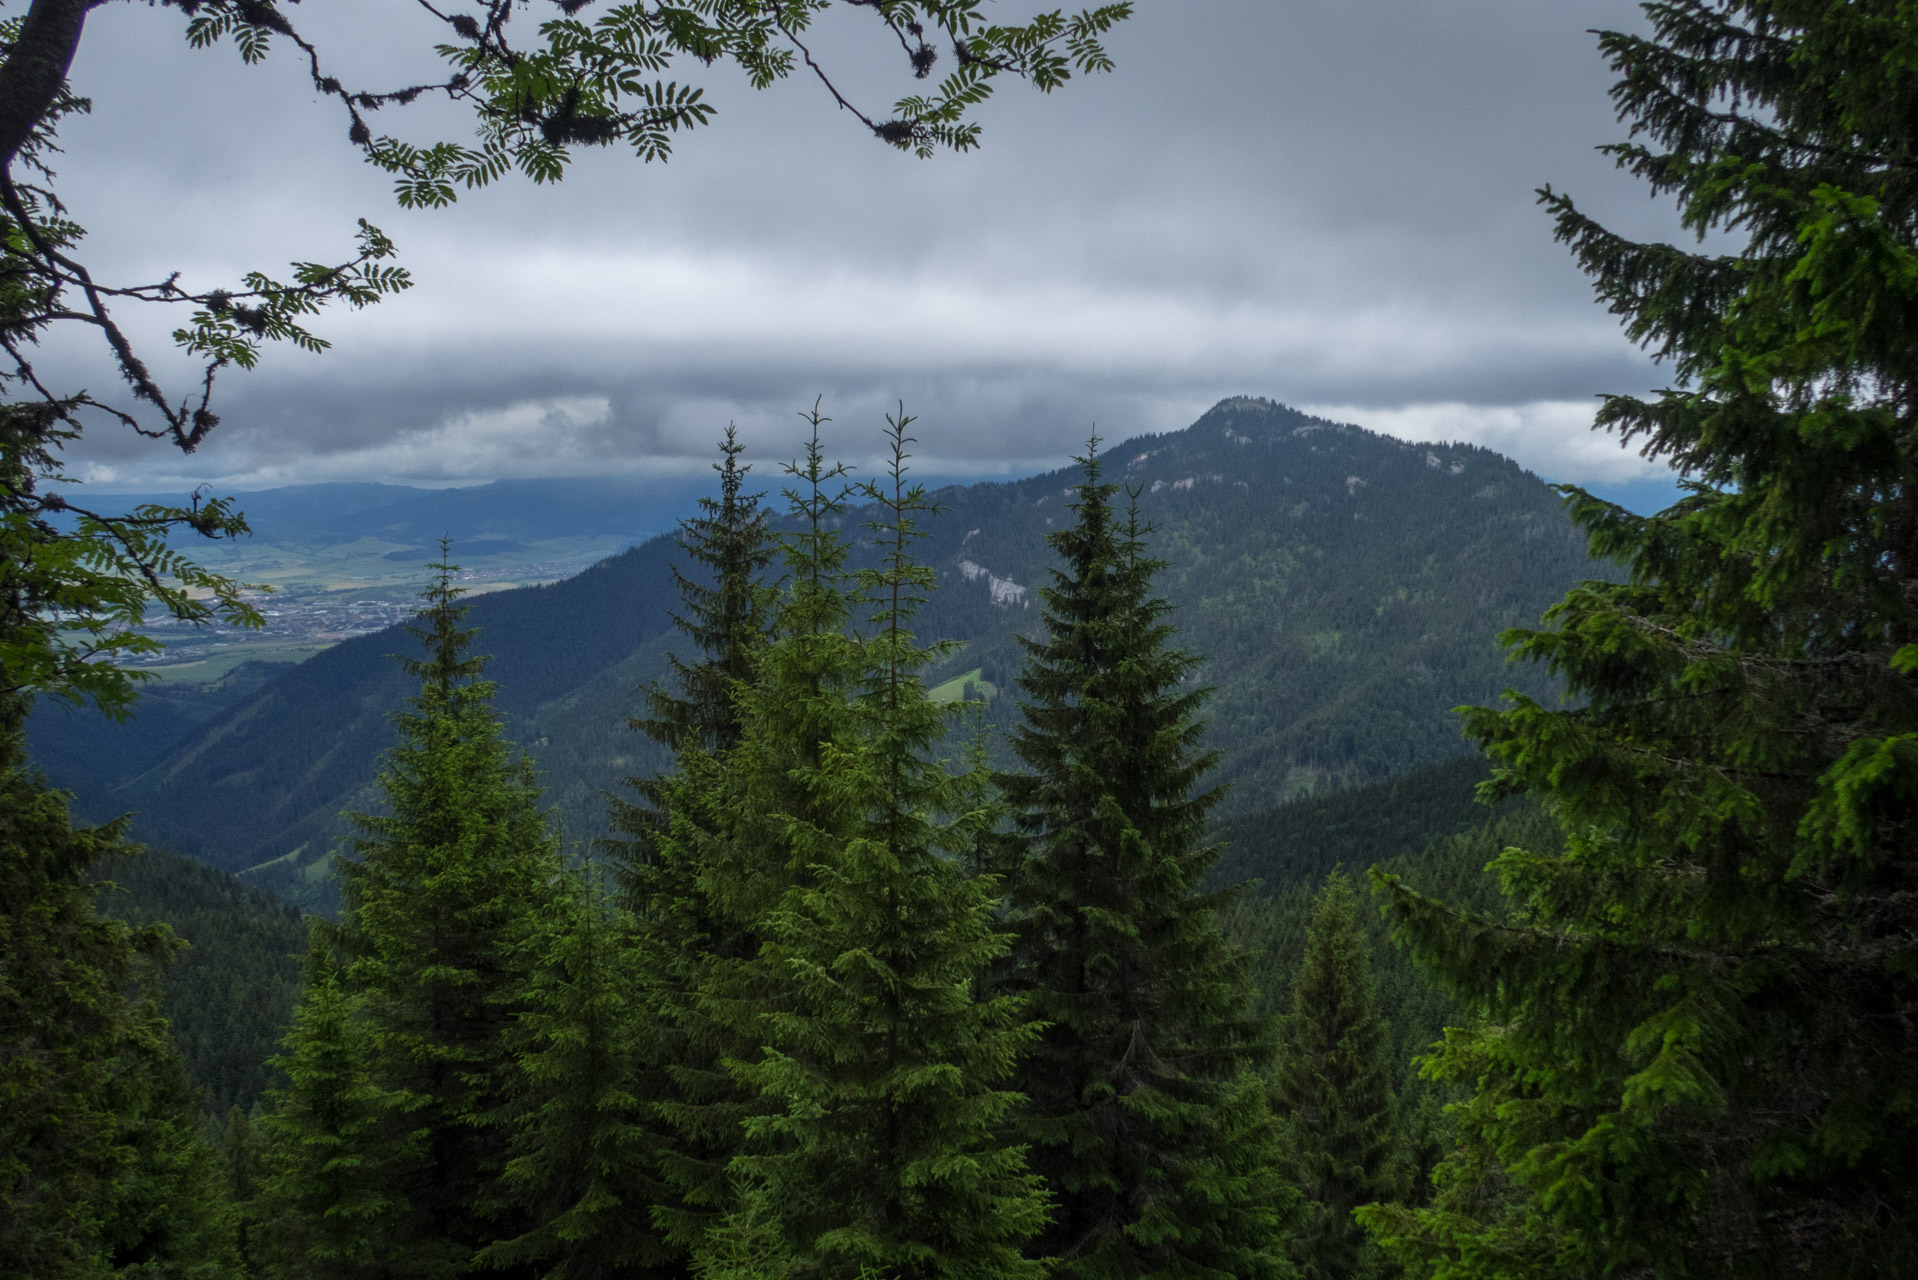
(1695, 1052)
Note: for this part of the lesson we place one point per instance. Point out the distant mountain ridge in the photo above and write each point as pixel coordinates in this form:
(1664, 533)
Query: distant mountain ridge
(534, 510)
(1345, 586)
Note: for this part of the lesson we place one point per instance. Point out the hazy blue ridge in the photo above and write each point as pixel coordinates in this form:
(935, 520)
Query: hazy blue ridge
(323, 514)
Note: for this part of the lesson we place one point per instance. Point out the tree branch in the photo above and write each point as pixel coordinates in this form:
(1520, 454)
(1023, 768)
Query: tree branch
(35, 71)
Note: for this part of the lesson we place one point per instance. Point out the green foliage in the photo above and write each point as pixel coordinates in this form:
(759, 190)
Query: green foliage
(584, 1147)
(1147, 1032)
(878, 1145)
(75, 585)
(1690, 1048)
(718, 865)
(1300, 843)
(598, 82)
(725, 611)
(1274, 922)
(327, 1206)
(103, 1171)
(663, 844)
(1333, 1086)
(447, 885)
(228, 996)
(243, 1145)
(229, 326)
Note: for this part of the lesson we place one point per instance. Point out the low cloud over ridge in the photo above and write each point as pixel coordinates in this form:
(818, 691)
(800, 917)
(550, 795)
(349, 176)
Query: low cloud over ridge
(1330, 205)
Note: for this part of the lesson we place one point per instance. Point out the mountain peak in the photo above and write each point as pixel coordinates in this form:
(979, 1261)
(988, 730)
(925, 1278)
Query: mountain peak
(1245, 418)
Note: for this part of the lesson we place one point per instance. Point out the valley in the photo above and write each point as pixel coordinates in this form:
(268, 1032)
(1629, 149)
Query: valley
(329, 562)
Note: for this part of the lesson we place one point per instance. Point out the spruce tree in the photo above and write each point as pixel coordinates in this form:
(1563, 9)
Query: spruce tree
(327, 1206)
(582, 1163)
(725, 611)
(1693, 1053)
(1333, 1088)
(103, 1169)
(705, 872)
(446, 886)
(880, 1150)
(1149, 1038)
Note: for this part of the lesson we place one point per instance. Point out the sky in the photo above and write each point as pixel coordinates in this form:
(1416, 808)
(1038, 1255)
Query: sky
(1329, 203)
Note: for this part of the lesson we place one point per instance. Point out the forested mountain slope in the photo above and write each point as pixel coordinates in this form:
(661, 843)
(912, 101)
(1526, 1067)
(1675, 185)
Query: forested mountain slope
(230, 992)
(1353, 828)
(1345, 586)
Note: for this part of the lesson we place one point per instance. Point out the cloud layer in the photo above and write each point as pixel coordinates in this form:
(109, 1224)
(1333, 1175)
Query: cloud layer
(1330, 204)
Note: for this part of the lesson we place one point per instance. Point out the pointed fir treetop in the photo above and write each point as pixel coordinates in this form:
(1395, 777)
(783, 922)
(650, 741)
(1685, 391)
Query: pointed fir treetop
(449, 881)
(724, 851)
(726, 612)
(437, 627)
(1110, 708)
(1132, 1082)
(898, 585)
(905, 723)
(799, 702)
(880, 1145)
(815, 556)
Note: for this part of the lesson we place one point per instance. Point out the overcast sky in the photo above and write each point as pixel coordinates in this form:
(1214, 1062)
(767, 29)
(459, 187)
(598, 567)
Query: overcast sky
(1325, 202)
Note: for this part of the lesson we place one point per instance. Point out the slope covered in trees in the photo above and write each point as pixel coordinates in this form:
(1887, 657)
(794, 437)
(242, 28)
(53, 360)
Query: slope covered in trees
(1301, 842)
(478, 1076)
(229, 993)
(103, 1166)
(1346, 584)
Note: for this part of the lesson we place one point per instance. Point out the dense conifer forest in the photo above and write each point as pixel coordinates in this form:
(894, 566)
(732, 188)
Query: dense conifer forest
(229, 992)
(861, 980)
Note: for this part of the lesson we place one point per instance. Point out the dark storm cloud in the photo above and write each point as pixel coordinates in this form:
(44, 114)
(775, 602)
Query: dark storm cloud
(1327, 203)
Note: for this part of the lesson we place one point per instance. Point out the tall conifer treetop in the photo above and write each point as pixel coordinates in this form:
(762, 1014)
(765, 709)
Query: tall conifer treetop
(669, 850)
(726, 606)
(1698, 1054)
(448, 883)
(719, 861)
(726, 613)
(1149, 1035)
(879, 1147)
